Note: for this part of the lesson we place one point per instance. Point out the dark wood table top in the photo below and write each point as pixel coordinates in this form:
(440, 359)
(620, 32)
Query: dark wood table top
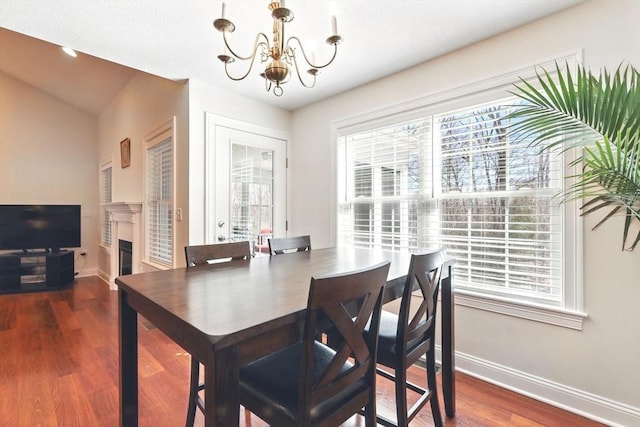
(221, 300)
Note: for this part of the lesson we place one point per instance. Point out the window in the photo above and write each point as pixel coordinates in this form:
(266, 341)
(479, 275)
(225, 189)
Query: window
(497, 214)
(159, 196)
(454, 178)
(387, 191)
(105, 197)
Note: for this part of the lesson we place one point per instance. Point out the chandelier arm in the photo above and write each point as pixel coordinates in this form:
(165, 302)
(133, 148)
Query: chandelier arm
(304, 54)
(255, 46)
(279, 56)
(295, 65)
(253, 60)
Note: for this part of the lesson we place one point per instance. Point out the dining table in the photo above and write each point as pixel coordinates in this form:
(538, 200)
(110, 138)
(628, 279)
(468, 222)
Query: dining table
(228, 314)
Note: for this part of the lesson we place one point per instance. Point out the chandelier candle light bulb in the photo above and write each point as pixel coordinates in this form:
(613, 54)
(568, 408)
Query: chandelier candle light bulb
(282, 58)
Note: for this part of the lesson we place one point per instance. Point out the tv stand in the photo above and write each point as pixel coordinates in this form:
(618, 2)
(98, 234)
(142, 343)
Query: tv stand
(36, 271)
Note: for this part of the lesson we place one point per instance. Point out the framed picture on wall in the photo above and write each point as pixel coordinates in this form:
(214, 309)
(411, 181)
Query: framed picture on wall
(125, 153)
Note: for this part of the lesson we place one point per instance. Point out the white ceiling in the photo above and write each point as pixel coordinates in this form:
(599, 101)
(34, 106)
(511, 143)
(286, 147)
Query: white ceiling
(176, 40)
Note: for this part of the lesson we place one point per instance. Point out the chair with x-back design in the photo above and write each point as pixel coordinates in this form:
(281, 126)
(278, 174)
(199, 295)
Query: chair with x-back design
(311, 384)
(406, 337)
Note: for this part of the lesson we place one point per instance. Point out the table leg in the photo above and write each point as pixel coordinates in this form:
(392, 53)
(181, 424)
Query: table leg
(128, 345)
(222, 404)
(448, 345)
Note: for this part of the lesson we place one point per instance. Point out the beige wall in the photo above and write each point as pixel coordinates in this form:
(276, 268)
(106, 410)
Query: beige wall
(207, 99)
(61, 149)
(595, 371)
(48, 155)
(145, 103)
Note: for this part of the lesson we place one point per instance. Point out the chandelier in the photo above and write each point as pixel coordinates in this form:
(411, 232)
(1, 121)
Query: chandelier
(281, 56)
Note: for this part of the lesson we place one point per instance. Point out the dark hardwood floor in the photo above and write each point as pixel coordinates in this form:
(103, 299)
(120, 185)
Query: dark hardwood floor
(59, 367)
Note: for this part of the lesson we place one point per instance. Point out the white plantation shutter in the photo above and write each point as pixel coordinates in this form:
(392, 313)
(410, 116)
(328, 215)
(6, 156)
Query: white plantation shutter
(498, 217)
(455, 179)
(160, 202)
(385, 198)
(106, 191)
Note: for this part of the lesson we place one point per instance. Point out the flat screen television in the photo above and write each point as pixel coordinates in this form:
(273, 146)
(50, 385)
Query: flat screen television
(48, 227)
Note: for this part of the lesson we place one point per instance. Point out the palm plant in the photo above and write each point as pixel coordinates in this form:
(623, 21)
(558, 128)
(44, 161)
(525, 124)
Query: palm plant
(601, 115)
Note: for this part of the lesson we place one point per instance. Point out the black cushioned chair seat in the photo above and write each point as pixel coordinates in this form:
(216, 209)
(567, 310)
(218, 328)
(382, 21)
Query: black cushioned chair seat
(387, 352)
(387, 338)
(276, 377)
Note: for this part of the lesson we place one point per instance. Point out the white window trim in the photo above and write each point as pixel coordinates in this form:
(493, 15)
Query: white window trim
(571, 315)
(106, 165)
(530, 311)
(156, 136)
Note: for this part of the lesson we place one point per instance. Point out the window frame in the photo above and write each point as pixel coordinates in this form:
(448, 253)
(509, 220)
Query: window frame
(570, 314)
(165, 131)
(105, 219)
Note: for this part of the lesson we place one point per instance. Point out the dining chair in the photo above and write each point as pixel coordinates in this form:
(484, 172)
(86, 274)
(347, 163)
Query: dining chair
(200, 255)
(206, 254)
(311, 384)
(282, 245)
(406, 337)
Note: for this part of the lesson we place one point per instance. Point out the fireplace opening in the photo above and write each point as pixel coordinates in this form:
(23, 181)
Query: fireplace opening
(125, 259)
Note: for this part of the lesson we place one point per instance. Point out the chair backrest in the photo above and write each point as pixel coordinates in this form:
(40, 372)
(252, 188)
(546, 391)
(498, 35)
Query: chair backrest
(281, 245)
(202, 254)
(328, 299)
(416, 326)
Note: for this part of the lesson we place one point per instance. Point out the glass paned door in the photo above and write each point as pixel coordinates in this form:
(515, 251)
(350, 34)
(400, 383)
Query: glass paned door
(251, 193)
(250, 188)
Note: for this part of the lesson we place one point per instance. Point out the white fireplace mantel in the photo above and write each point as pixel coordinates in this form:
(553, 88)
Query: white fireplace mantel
(124, 211)
(125, 225)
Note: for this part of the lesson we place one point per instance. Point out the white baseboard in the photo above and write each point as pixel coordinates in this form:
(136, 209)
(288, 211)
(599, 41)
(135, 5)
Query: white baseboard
(103, 276)
(568, 398)
(144, 268)
(87, 272)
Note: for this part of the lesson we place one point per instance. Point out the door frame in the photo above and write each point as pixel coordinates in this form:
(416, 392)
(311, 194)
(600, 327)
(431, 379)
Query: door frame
(211, 122)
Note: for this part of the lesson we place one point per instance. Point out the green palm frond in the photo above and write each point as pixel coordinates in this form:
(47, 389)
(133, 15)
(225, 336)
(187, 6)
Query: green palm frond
(611, 179)
(600, 114)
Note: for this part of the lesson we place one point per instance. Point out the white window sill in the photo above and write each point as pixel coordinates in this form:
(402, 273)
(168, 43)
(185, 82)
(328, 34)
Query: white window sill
(551, 315)
(148, 266)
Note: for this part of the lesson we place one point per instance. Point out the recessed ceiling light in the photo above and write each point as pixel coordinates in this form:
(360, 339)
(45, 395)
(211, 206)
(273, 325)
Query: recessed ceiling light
(69, 51)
